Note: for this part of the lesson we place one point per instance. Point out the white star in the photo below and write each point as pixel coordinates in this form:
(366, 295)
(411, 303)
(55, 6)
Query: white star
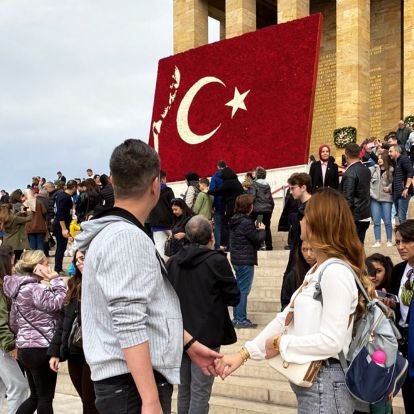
(238, 101)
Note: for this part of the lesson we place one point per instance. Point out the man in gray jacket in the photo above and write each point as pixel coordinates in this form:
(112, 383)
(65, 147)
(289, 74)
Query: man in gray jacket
(131, 319)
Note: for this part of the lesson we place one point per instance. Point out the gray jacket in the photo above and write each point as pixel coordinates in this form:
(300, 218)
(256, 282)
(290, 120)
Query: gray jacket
(378, 182)
(126, 300)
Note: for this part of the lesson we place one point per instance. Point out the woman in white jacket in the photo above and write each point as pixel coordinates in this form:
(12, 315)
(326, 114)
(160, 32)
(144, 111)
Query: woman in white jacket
(307, 331)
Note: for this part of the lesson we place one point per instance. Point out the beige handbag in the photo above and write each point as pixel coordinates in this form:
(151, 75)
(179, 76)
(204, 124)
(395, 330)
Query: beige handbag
(302, 375)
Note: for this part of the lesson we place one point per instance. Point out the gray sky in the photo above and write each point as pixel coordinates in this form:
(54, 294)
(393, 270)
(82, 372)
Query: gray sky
(76, 78)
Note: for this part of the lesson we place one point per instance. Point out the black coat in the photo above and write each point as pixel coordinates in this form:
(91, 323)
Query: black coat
(245, 239)
(59, 346)
(107, 196)
(396, 276)
(206, 286)
(229, 190)
(356, 184)
(161, 215)
(331, 176)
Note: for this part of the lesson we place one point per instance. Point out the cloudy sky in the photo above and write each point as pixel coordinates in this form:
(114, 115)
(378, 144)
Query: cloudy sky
(76, 78)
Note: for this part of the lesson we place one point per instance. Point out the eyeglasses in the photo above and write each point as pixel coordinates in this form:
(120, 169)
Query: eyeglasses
(292, 187)
(408, 284)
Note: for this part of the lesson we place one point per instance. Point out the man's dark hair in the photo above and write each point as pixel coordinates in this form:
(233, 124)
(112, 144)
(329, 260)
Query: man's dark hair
(243, 203)
(300, 179)
(221, 164)
(89, 169)
(71, 184)
(406, 230)
(163, 174)
(133, 165)
(59, 173)
(352, 150)
(204, 181)
(96, 176)
(104, 180)
(260, 173)
(198, 230)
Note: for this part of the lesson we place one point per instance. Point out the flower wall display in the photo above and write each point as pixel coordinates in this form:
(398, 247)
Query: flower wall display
(247, 100)
(343, 136)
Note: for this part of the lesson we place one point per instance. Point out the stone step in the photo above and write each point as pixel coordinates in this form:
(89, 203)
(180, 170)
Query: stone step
(264, 292)
(267, 281)
(261, 318)
(263, 305)
(226, 405)
(255, 389)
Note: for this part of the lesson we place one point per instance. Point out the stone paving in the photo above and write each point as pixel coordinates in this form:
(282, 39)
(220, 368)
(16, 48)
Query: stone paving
(62, 404)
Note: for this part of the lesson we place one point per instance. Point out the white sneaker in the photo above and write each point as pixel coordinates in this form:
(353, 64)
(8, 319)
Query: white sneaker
(376, 244)
(390, 244)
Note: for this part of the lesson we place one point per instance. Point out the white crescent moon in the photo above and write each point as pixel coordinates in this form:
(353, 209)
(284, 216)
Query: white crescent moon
(183, 128)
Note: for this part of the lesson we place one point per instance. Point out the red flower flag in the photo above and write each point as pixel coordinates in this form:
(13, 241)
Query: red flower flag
(247, 100)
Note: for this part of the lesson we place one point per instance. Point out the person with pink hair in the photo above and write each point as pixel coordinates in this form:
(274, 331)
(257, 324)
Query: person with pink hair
(324, 173)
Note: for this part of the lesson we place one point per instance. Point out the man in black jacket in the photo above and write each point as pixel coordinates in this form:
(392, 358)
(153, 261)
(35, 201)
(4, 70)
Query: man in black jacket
(402, 182)
(356, 182)
(205, 285)
(161, 217)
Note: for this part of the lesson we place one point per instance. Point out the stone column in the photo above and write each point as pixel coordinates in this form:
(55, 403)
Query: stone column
(240, 17)
(408, 58)
(288, 10)
(352, 65)
(190, 24)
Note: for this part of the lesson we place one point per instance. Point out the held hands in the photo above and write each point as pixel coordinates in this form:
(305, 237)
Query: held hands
(204, 357)
(54, 364)
(261, 226)
(228, 364)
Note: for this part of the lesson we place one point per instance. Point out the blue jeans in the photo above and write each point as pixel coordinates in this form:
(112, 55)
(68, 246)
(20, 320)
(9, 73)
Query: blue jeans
(328, 394)
(36, 241)
(401, 205)
(218, 223)
(244, 276)
(195, 388)
(119, 395)
(381, 210)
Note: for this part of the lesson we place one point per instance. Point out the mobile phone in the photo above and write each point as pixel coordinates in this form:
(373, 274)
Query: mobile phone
(259, 219)
(40, 270)
(382, 294)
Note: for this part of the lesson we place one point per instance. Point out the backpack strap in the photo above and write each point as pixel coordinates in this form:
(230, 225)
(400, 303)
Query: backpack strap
(318, 296)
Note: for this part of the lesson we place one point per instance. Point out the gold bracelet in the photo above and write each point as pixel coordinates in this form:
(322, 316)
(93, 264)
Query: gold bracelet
(244, 353)
(276, 342)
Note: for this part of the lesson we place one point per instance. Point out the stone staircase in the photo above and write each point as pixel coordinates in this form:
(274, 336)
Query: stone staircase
(256, 388)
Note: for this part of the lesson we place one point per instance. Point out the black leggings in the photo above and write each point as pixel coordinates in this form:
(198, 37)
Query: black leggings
(80, 374)
(42, 381)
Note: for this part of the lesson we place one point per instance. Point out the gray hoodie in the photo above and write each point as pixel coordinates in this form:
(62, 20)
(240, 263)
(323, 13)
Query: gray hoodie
(126, 300)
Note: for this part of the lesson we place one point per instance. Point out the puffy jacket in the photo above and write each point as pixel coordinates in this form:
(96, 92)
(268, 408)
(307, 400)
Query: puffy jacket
(263, 199)
(356, 182)
(59, 346)
(245, 239)
(205, 285)
(35, 309)
(378, 182)
(216, 182)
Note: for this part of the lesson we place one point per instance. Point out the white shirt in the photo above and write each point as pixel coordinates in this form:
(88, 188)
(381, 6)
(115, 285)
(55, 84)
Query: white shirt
(324, 167)
(317, 332)
(403, 309)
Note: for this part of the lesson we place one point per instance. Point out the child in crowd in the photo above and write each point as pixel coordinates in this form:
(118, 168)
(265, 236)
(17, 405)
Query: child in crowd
(204, 201)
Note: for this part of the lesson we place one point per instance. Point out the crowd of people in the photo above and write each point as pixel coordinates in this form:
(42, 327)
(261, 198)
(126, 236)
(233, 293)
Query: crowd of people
(146, 305)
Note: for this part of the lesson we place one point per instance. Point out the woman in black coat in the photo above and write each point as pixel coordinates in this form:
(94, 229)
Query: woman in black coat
(62, 347)
(324, 173)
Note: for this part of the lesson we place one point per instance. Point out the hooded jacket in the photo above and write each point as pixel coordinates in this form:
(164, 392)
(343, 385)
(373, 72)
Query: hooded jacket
(245, 239)
(206, 286)
(127, 299)
(263, 199)
(35, 309)
(7, 337)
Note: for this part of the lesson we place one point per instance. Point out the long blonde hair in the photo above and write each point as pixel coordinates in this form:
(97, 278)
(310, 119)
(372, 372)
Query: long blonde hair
(330, 228)
(28, 261)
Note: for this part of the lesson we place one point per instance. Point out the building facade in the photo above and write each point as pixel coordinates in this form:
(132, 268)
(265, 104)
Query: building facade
(366, 64)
